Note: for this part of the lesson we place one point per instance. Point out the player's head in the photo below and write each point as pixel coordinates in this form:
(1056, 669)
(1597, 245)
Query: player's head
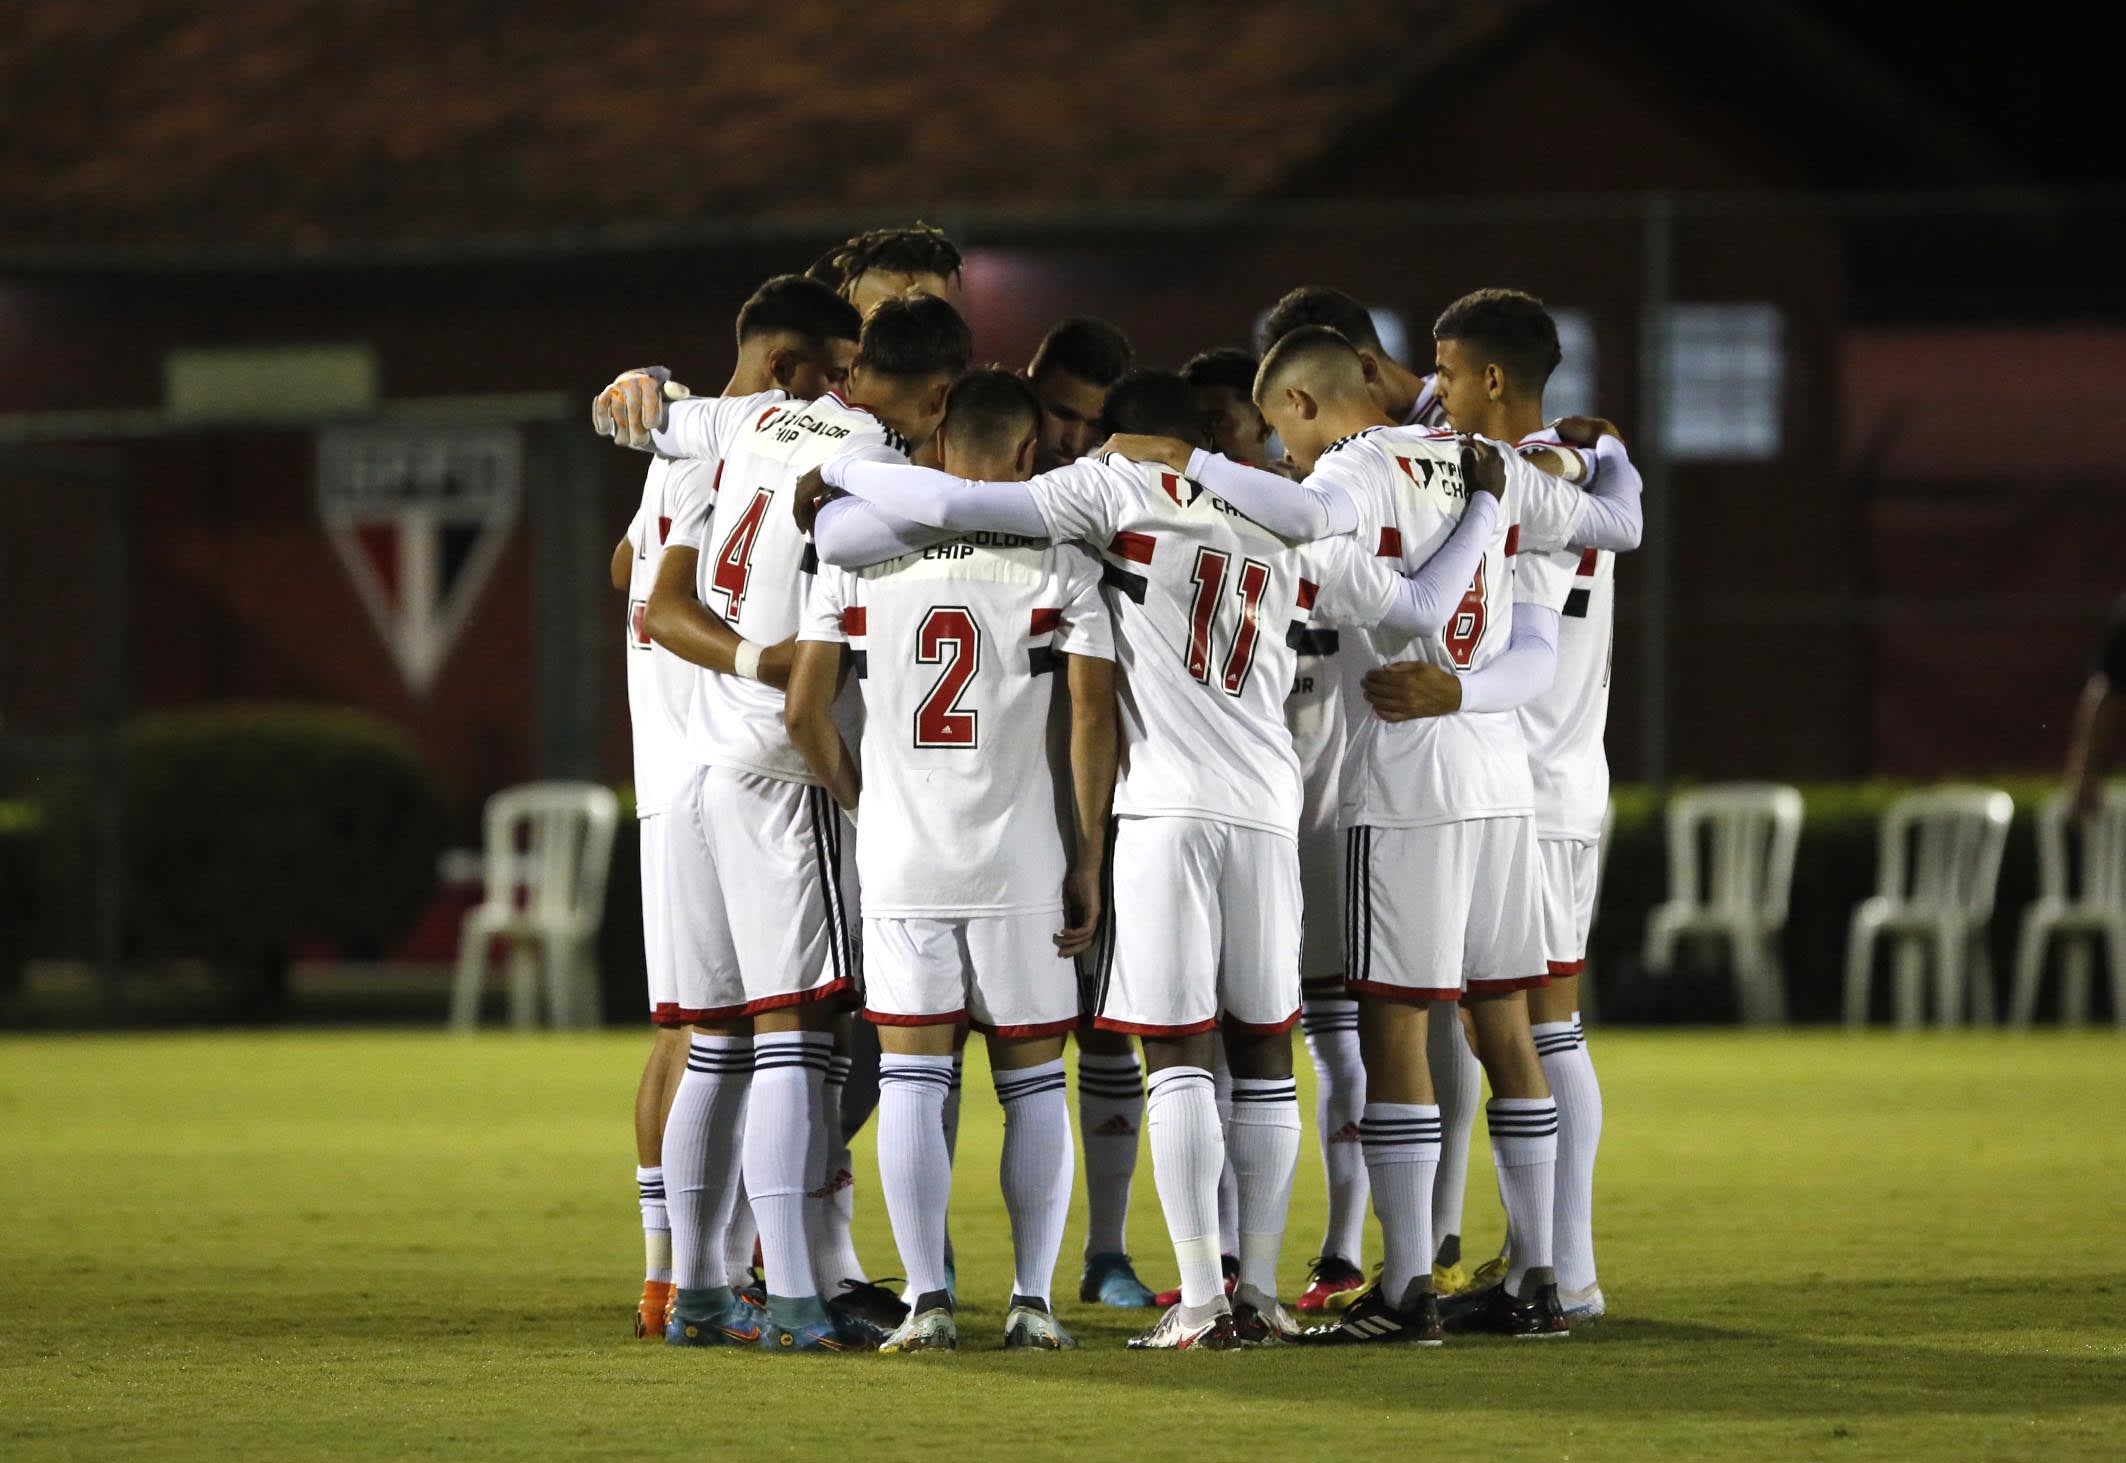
(1071, 371)
(992, 427)
(1307, 385)
(1156, 404)
(797, 334)
(1224, 383)
(1317, 304)
(884, 264)
(913, 348)
(1494, 349)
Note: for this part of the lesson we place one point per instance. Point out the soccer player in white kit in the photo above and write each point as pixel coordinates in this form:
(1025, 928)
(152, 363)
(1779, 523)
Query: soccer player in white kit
(794, 335)
(766, 936)
(1496, 350)
(972, 910)
(1442, 895)
(1205, 904)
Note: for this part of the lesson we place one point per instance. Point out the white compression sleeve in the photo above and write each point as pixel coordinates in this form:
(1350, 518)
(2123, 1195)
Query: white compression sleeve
(1290, 510)
(1428, 594)
(1612, 517)
(1523, 670)
(929, 496)
(850, 533)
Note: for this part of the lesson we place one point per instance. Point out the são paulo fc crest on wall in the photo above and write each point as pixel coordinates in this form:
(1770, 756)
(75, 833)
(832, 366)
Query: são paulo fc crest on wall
(419, 515)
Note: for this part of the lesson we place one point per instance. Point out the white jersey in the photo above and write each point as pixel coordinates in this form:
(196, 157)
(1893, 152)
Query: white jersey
(957, 649)
(1314, 714)
(659, 683)
(1428, 410)
(1208, 608)
(755, 564)
(1565, 725)
(1407, 483)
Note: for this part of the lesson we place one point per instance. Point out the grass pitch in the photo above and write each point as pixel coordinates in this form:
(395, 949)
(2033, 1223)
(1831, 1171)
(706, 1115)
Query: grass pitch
(402, 1245)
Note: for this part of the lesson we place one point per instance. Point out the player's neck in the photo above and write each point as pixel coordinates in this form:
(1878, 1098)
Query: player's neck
(1341, 419)
(1518, 419)
(1400, 387)
(750, 376)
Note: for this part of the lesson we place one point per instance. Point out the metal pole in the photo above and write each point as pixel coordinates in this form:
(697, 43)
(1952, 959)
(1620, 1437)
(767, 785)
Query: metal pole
(1657, 552)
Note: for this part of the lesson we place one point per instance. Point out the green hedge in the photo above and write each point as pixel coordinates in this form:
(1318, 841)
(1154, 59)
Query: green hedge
(250, 828)
(1834, 872)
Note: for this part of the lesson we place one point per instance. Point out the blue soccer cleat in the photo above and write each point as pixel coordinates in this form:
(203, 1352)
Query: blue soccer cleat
(803, 1324)
(713, 1317)
(1109, 1280)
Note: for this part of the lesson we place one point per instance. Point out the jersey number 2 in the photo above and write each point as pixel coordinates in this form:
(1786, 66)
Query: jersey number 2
(1465, 627)
(1209, 575)
(948, 636)
(734, 562)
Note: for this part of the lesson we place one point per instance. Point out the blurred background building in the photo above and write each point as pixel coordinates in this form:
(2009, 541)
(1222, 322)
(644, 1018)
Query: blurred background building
(301, 306)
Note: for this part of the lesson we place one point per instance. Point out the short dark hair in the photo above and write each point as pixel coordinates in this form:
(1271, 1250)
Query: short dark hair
(1317, 304)
(915, 335)
(1299, 347)
(992, 404)
(917, 248)
(1225, 365)
(1154, 403)
(800, 306)
(1091, 350)
(1509, 327)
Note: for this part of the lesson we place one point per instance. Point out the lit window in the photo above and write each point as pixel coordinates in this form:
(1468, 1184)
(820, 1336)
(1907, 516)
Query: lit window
(1726, 368)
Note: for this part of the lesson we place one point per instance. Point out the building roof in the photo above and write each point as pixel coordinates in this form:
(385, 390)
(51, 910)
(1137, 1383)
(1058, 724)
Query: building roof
(297, 125)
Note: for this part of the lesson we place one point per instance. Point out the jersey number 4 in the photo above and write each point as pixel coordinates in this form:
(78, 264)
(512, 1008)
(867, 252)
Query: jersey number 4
(1209, 575)
(734, 562)
(948, 636)
(1465, 627)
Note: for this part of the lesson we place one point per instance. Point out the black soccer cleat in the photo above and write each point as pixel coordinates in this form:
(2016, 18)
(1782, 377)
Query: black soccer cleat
(1371, 1321)
(871, 1303)
(1494, 1311)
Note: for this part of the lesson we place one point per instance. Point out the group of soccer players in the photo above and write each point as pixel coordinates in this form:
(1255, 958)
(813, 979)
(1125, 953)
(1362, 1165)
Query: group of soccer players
(1165, 710)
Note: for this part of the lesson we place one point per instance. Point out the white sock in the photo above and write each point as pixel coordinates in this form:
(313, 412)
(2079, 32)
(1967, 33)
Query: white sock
(1110, 1113)
(784, 1148)
(1458, 1081)
(840, 1258)
(701, 1147)
(1035, 1171)
(1228, 1181)
(1402, 1141)
(739, 1236)
(1570, 1070)
(656, 1226)
(1188, 1153)
(952, 1134)
(1262, 1149)
(1331, 1027)
(913, 1168)
(1524, 1145)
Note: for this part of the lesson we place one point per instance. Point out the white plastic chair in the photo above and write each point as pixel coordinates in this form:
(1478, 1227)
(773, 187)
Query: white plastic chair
(2095, 914)
(549, 848)
(1741, 894)
(1937, 870)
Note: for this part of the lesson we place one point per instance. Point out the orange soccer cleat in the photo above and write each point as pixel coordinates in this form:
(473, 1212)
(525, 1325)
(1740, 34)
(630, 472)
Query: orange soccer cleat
(652, 1311)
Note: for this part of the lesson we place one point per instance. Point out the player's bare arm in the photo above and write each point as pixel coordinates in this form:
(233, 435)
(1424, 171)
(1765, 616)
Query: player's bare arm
(808, 703)
(1093, 754)
(682, 624)
(622, 553)
(811, 494)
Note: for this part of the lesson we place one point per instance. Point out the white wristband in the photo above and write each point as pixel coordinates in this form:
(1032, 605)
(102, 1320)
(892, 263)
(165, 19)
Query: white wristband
(745, 661)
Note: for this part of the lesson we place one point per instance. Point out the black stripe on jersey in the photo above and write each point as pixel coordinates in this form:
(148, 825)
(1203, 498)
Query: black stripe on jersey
(1130, 584)
(1312, 642)
(1576, 605)
(1043, 660)
(861, 661)
(810, 563)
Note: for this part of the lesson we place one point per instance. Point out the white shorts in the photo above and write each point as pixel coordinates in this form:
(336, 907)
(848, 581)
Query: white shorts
(1568, 875)
(1432, 910)
(1204, 927)
(759, 895)
(999, 974)
(656, 917)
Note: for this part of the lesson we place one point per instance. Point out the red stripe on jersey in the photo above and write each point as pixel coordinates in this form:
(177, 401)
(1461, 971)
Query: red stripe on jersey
(664, 528)
(1046, 622)
(1172, 485)
(1588, 559)
(1513, 540)
(1391, 544)
(1437, 432)
(1135, 547)
(853, 619)
(716, 482)
(1308, 589)
(758, 422)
